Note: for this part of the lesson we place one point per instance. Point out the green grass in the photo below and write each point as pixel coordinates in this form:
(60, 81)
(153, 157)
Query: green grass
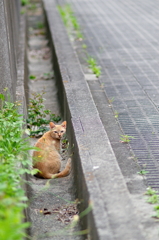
(32, 77)
(70, 20)
(150, 191)
(14, 162)
(153, 198)
(126, 138)
(116, 114)
(143, 172)
(73, 27)
(92, 64)
(25, 2)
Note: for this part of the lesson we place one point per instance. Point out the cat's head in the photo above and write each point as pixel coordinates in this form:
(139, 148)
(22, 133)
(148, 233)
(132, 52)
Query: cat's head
(57, 131)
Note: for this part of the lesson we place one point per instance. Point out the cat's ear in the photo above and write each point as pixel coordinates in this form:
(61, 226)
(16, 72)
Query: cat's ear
(64, 124)
(52, 125)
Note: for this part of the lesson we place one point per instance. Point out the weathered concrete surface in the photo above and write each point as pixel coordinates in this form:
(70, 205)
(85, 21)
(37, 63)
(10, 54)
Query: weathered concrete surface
(99, 179)
(22, 68)
(9, 42)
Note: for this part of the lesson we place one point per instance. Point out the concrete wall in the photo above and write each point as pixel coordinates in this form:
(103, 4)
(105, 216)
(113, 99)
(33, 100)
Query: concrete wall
(9, 42)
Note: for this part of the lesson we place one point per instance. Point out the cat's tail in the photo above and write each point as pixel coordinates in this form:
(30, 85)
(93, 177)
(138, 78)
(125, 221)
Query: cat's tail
(65, 172)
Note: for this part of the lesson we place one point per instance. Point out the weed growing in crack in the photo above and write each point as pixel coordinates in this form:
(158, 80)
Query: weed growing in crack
(150, 191)
(48, 75)
(38, 116)
(93, 66)
(73, 28)
(32, 77)
(143, 172)
(111, 100)
(126, 138)
(116, 114)
(153, 198)
(84, 46)
(70, 20)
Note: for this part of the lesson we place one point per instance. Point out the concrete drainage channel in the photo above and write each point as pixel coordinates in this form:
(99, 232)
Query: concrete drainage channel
(52, 203)
(96, 174)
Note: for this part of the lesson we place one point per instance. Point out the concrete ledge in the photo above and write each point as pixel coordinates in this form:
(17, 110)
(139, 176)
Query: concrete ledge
(22, 68)
(97, 175)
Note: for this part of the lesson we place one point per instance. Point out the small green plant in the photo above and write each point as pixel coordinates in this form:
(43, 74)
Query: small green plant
(48, 75)
(79, 35)
(150, 191)
(93, 66)
(91, 62)
(32, 77)
(96, 70)
(38, 116)
(156, 214)
(73, 27)
(153, 199)
(111, 100)
(25, 2)
(143, 172)
(156, 207)
(84, 46)
(40, 25)
(74, 22)
(65, 143)
(126, 138)
(116, 114)
(70, 20)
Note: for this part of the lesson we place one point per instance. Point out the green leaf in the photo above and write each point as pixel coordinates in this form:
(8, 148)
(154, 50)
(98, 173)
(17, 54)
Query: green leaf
(27, 131)
(34, 171)
(2, 97)
(32, 77)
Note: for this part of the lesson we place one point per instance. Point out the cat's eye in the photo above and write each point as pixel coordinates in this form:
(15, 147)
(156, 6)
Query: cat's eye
(55, 131)
(62, 131)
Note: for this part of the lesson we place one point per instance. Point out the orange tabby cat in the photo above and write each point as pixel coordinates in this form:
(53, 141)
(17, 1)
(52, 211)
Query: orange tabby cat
(47, 159)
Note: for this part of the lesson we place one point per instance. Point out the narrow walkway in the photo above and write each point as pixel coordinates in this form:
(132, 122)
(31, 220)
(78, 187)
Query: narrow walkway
(123, 37)
(51, 202)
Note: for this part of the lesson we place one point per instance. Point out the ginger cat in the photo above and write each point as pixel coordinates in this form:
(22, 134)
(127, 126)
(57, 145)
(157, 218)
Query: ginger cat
(48, 159)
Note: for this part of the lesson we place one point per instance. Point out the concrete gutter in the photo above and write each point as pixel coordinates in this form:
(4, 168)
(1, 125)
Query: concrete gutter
(97, 175)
